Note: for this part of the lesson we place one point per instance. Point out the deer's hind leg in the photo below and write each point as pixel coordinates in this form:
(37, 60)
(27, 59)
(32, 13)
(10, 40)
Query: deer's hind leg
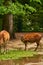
(37, 46)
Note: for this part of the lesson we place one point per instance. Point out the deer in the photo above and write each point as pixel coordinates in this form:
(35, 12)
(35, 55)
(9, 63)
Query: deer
(4, 37)
(31, 37)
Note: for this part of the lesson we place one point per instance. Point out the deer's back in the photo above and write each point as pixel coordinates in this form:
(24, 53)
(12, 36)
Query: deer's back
(5, 35)
(32, 37)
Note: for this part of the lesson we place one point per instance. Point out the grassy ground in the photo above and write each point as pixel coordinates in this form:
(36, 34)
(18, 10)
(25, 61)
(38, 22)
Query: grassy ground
(12, 54)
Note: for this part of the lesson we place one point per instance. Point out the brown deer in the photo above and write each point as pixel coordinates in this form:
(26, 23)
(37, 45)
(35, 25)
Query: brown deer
(4, 37)
(31, 37)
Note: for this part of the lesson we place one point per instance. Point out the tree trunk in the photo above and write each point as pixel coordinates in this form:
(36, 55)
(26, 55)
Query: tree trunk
(8, 20)
(8, 24)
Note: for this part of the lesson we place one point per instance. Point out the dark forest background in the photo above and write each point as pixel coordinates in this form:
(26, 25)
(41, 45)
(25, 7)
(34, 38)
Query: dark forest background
(21, 15)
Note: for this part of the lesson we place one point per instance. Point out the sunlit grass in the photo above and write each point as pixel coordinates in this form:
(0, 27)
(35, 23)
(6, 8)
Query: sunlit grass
(12, 54)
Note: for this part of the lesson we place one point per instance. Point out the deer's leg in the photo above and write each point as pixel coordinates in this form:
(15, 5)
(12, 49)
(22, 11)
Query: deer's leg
(4, 46)
(25, 46)
(0, 49)
(37, 46)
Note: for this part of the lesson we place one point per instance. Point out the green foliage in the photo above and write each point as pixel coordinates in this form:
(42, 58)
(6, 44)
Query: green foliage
(38, 1)
(16, 8)
(28, 14)
(3, 10)
(20, 8)
(29, 1)
(1, 2)
(29, 8)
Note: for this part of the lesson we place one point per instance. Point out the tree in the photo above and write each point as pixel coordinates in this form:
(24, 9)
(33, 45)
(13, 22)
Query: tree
(8, 20)
(8, 8)
(8, 23)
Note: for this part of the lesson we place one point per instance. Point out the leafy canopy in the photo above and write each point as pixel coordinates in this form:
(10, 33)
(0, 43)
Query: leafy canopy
(16, 7)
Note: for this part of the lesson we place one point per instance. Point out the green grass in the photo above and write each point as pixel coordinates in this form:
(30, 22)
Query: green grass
(12, 54)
